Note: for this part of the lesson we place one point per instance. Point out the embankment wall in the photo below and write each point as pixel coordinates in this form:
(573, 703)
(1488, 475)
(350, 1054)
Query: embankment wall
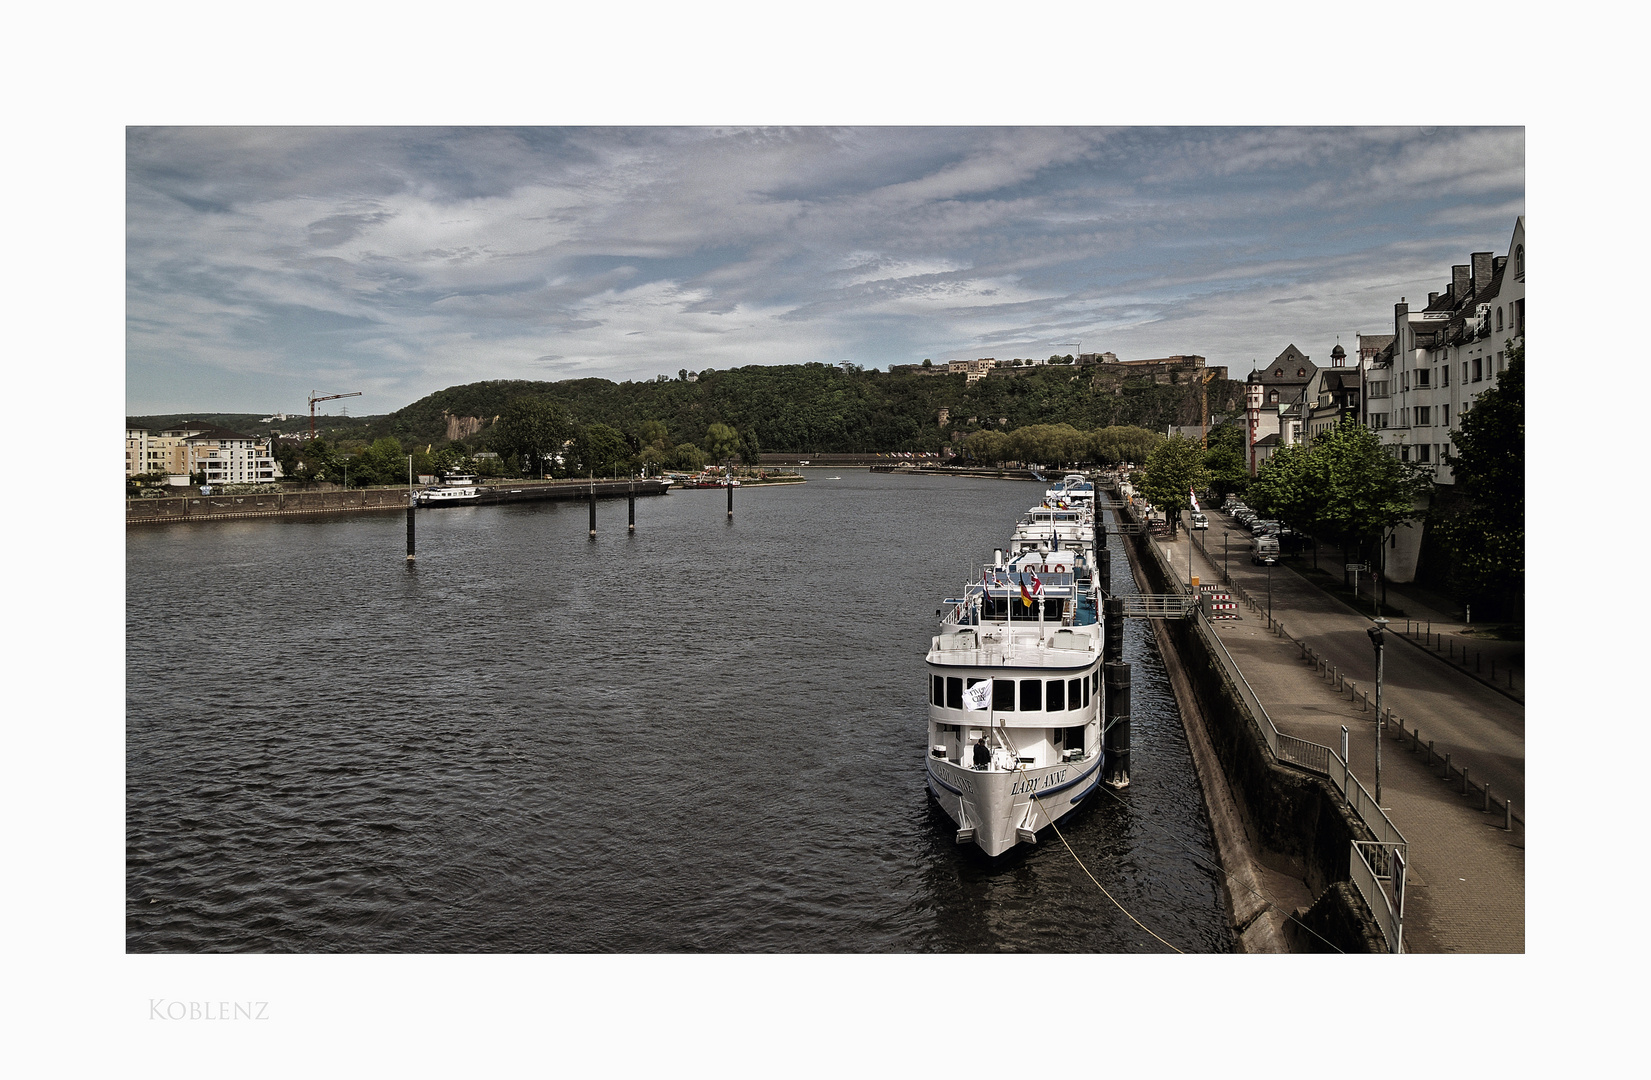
(1297, 820)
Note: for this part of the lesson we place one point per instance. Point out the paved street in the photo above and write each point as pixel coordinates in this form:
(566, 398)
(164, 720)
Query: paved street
(1467, 879)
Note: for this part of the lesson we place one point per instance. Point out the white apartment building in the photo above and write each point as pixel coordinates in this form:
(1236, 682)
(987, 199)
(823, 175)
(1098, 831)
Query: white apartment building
(1441, 359)
(226, 457)
(1446, 354)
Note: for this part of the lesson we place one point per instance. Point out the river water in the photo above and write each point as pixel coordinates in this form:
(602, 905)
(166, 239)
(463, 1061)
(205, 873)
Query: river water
(706, 737)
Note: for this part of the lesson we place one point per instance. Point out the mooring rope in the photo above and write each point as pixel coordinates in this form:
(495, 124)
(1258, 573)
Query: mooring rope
(1224, 873)
(1098, 885)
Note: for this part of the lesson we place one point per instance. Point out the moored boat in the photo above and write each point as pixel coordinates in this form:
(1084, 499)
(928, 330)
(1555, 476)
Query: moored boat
(454, 488)
(1015, 717)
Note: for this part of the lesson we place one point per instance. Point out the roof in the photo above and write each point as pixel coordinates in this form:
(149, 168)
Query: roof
(218, 434)
(1268, 440)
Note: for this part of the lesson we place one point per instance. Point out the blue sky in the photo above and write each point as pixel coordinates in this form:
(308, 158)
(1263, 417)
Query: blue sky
(264, 263)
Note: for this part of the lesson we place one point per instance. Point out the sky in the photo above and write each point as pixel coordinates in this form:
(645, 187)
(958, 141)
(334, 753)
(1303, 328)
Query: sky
(264, 264)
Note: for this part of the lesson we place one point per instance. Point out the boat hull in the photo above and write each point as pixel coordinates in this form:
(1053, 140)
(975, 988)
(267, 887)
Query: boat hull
(998, 809)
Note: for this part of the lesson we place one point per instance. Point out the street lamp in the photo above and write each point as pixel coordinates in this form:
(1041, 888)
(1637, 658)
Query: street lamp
(1375, 633)
(1269, 591)
(1226, 558)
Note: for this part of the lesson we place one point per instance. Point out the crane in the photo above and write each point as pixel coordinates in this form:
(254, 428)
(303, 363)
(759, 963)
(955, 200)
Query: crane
(324, 397)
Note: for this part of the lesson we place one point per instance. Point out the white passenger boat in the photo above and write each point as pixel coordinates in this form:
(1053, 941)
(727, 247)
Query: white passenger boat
(1015, 717)
(1074, 490)
(1049, 527)
(454, 488)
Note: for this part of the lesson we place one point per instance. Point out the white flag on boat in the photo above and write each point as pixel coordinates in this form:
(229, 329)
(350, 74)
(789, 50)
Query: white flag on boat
(978, 696)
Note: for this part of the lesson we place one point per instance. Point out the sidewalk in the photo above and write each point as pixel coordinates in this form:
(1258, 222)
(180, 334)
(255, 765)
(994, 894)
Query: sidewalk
(1466, 884)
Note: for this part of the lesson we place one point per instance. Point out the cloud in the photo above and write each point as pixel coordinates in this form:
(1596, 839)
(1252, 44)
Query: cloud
(405, 260)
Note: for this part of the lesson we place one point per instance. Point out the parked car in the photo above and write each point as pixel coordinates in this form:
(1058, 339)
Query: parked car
(1264, 551)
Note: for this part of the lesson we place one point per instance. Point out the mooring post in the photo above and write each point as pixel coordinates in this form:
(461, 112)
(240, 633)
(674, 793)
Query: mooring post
(1115, 740)
(1429, 750)
(633, 504)
(1507, 815)
(1464, 780)
(593, 506)
(1487, 798)
(1112, 629)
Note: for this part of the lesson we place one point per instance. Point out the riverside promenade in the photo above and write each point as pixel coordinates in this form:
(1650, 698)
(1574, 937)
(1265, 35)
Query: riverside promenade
(1311, 663)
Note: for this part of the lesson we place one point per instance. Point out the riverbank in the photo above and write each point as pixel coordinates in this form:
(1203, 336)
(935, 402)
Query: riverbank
(291, 504)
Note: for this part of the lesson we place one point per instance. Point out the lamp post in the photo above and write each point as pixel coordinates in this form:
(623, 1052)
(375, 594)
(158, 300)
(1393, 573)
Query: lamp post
(1226, 558)
(1375, 633)
(1269, 591)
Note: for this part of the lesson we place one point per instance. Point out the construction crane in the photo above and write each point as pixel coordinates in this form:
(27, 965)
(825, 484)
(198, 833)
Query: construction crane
(324, 397)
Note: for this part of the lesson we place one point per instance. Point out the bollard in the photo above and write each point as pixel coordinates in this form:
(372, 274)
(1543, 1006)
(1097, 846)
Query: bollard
(1367, 703)
(409, 532)
(1453, 649)
(1507, 815)
(633, 506)
(1464, 780)
(593, 510)
(1429, 751)
(1415, 738)
(1446, 777)
(1487, 799)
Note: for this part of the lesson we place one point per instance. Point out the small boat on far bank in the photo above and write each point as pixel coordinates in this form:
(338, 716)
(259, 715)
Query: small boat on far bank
(454, 488)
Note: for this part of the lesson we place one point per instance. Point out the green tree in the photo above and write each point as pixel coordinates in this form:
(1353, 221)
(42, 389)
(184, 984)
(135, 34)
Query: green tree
(1224, 460)
(600, 449)
(721, 442)
(1344, 487)
(533, 428)
(1173, 469)
(1486, 532)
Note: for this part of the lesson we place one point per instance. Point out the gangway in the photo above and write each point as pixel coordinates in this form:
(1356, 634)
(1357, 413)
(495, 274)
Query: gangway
(1160, 606)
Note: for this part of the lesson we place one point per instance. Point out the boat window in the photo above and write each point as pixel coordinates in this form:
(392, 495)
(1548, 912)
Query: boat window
(937, 690)
(1074, 690)
(1057, 695)
(954, 692)
(1003, 695)
(1031, 695)
(1085, 690)
(1095, 680)
(1073, 738)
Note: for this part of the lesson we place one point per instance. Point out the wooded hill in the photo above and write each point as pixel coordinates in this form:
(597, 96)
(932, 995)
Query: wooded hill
(805, 408)
(820, 408)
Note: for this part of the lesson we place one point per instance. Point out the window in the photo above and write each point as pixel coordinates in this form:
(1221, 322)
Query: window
(1444, 414)
(1422, 452)
(1378, 421)
(1422, 377)
(954, 692)
(1057, 695)
(1498, 318)
(1272, 398)
(1464, 371)
(1519, 263)
(1031, 695)
(1085, 690)
(1404, 380)
(1074, 693)
(1478, 369)
(1404, 453)
(1444, 374)
(1003, 695)
(1422, 416)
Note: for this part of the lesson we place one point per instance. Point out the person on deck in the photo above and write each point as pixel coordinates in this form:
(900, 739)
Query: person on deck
(983, 756)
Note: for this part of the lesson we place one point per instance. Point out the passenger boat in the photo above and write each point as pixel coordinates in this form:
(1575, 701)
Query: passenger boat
(454, 488)
(1015, 717)
(1049, 527)
(1074, 490)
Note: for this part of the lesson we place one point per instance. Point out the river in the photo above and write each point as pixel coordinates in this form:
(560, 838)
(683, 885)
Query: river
(706, 737)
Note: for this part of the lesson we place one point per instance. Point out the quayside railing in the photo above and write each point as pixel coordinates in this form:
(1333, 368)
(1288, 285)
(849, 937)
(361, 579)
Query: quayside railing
(1375, 867)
